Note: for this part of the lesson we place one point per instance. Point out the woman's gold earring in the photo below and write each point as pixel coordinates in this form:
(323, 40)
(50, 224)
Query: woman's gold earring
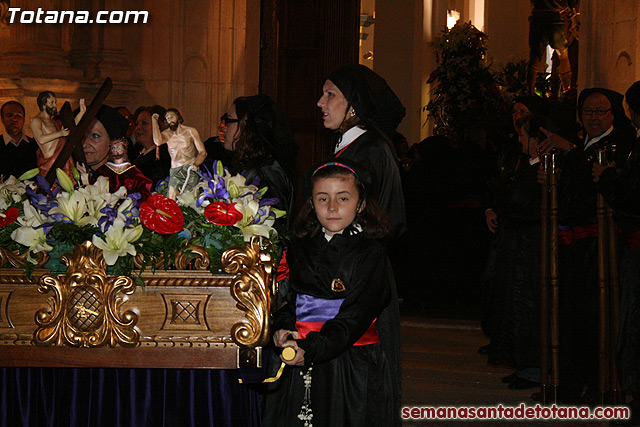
(353, 112)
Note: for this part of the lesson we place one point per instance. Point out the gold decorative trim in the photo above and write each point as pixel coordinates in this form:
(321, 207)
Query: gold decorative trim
(13, 276)
(18, 260)
(16, 339)
(157, 279)
(173, 341)
(195, 258)
(252, 289)
(85, 308)
(200, 261)
(5, 321)
(145, 341)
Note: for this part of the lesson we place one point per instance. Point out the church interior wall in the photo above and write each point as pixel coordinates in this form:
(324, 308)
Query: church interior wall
(608, 44)
(195, 55)
(198, 55)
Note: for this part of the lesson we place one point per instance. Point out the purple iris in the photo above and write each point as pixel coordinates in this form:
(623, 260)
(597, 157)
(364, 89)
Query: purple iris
(110, 215)
(43, 202)
(258, 216)
(135, 197)
(46, 227)
(130, 216)
(215, 189)
(268, 201)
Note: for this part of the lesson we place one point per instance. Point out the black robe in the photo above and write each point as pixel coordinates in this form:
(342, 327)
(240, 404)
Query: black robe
(578, 273)
(154, 169)
(351, 385)
(621, 190)
(372, 151)
(273, 176)
(515, 297)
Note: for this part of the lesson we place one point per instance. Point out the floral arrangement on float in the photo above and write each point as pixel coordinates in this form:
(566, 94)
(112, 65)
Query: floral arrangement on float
(465, 92)
(40, 222)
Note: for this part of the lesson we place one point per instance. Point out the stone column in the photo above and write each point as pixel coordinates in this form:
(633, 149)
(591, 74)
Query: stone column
(33, 50)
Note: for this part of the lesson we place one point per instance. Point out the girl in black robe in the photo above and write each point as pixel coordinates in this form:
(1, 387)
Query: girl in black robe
(363, 110)
(339, 286)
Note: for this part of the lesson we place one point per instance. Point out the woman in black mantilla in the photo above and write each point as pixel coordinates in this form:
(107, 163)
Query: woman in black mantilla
(359, 105)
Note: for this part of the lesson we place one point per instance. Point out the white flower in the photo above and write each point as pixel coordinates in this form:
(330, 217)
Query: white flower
(11, 191)
(31, 217)
(189, 198)
(255, 230)
(97, 196)
(32, 238)
(247, 224)
(238, 189)
(118, 241)
(29, 234)
(73, 207)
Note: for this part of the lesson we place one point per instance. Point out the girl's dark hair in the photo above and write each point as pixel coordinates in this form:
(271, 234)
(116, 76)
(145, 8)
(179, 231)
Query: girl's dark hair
(373, 221)
(248, 145)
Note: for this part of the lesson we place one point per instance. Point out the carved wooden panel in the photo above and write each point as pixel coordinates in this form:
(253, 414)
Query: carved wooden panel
(88, 318)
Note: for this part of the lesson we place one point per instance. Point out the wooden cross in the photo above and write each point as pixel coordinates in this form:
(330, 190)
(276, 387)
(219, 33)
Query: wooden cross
(73, 144)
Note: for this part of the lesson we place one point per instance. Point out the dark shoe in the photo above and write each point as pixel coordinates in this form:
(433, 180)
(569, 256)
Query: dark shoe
(522, 384)
(510, 378)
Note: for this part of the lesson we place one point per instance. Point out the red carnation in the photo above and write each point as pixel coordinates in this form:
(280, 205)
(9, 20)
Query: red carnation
(221, 213)
(8, 216)
(161, 214)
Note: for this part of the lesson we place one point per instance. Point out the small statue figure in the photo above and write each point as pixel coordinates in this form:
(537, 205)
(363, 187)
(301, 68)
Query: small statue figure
(122, 173)
(49, 133)
(106, 148)
(186, 150)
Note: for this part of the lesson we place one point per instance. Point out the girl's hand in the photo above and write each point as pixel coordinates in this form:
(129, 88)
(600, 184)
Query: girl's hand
(281, 336)
(298, 360)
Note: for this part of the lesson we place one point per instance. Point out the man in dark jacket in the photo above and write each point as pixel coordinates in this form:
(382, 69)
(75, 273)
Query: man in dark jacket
(17, 150)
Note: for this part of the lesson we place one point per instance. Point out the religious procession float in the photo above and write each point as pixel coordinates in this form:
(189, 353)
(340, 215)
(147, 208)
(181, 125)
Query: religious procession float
(93, 278)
